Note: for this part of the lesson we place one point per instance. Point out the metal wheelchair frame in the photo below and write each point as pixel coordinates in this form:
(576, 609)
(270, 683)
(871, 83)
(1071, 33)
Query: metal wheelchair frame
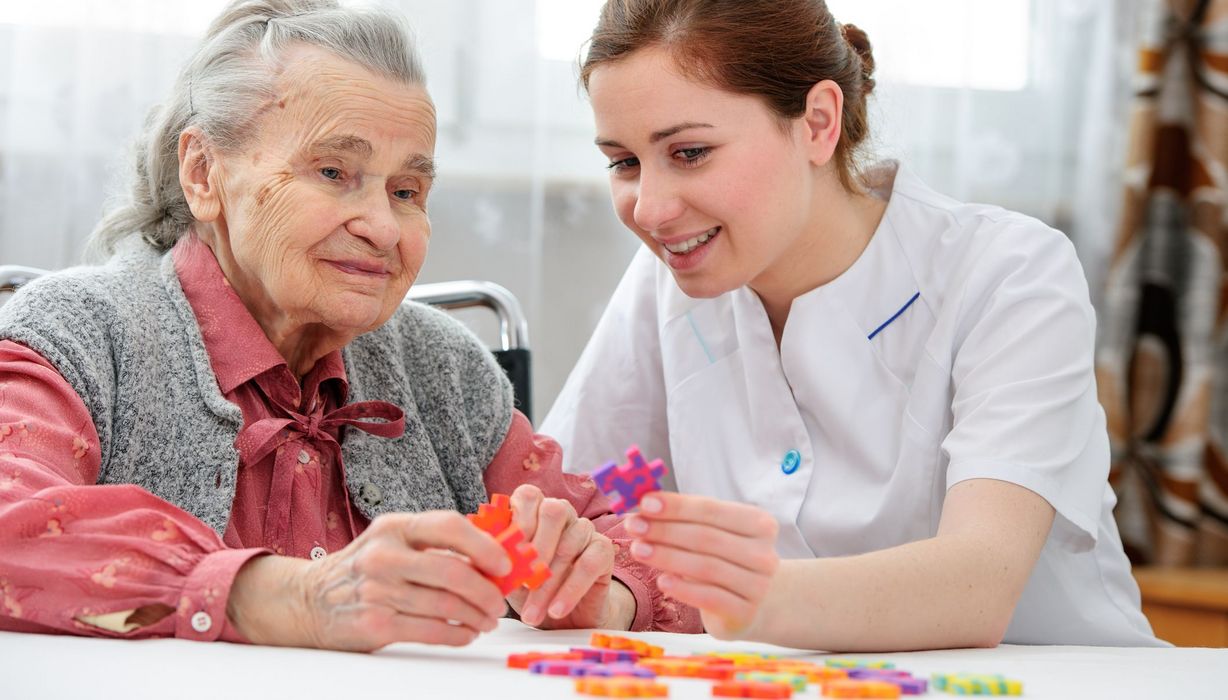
(512, 354)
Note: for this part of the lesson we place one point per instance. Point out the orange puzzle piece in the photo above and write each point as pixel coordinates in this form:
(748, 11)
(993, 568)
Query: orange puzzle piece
(495, 518)
(622, 688)
(752, 689)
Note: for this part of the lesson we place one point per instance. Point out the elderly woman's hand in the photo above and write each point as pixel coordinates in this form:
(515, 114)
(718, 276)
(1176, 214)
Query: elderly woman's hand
(579, 592)
(407, 578)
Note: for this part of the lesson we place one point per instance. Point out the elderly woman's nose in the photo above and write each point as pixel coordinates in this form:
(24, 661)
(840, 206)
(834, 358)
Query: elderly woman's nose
(377, 223)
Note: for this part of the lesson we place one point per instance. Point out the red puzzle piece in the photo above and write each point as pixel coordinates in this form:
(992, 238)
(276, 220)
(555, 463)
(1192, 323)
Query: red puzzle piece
(493, 517)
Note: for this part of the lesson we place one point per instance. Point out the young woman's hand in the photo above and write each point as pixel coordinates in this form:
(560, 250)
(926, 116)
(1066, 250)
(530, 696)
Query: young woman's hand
(409, 577)
(717, 556)
(579, 592)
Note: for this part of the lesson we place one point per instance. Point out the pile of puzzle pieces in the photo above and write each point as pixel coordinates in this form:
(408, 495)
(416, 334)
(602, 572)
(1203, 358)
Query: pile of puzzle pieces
(495, 518)
(623, 667)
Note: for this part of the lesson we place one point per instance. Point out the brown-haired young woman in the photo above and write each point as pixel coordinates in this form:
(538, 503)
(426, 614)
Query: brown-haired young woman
(890, 390)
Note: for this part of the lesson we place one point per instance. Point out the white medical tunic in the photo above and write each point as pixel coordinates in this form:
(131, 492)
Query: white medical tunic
(958, 346)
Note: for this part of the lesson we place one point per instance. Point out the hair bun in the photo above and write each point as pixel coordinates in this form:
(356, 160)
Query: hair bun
(861, 44)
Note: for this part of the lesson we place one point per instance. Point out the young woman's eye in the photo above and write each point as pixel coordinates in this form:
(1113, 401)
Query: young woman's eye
(623, 164)
(331, 173)
(692, 156)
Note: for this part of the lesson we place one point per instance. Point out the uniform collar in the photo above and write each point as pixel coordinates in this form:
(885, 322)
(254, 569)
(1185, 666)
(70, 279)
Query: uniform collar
(238, 349)
(880, 285)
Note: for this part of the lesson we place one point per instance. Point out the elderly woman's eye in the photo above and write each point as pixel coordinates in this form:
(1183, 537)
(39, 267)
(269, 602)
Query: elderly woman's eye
(405, 195)
(331, 173)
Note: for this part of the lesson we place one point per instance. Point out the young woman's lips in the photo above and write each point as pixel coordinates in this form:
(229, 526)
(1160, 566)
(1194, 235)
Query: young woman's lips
(694, 256)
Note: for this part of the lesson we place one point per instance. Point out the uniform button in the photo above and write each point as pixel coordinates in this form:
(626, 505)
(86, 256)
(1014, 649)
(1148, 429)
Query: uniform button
(303, 457)
(201, 622)
(371, 495)
(318, 553)
(792, 460)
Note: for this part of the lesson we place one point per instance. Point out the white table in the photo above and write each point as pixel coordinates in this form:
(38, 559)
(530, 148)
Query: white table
(44, 666)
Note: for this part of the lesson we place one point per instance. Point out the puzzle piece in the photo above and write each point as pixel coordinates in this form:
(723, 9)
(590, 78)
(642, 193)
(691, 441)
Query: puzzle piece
(493, 517)
(614, 641)
(851, 688)
(795, 680)
(526, 660)
(561, 668)
(976, 684)
(606, 656)
(526, 569)
(751, 689)
(621, 688)
(618, 669)
(905, 680)
(854, 663)
(626, 484)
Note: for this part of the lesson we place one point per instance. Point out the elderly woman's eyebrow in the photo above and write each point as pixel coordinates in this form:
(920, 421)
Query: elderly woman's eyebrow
(347, 144)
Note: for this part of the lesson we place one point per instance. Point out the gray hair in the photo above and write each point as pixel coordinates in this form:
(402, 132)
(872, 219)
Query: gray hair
(222, 90)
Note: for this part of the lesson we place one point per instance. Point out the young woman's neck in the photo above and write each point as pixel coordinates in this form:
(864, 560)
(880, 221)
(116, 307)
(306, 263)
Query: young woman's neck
(840, 227)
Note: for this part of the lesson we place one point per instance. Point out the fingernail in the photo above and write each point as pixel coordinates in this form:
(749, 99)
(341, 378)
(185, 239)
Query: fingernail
(651, 505)
(665, 581)
(637, 525)
(558, 610)
(641, 549)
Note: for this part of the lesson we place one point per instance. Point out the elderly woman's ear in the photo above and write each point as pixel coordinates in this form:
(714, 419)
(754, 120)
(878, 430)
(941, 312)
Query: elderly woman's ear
(198, 175)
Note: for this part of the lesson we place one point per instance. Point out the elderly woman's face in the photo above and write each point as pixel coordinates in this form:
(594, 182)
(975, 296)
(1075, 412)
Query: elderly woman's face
(323, 214)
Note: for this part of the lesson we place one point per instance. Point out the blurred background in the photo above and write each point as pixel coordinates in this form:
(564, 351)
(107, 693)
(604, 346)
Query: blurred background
(1061, 109)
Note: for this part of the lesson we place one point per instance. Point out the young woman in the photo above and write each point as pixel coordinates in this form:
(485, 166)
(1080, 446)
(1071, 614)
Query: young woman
(890, 389)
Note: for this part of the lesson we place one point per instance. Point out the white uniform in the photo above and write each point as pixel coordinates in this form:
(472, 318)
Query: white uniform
(958, 346)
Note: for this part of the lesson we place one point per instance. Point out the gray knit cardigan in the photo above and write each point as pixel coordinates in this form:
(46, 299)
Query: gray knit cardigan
(126, 339)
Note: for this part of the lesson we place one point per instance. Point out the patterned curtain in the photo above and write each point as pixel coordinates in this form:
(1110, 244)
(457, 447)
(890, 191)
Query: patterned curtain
(1162, 363)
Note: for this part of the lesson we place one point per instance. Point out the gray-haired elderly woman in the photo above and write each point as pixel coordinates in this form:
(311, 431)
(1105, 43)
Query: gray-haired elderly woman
(233, 429)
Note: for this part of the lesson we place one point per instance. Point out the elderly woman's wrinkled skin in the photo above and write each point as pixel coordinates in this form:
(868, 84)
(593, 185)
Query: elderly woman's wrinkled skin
(319, 223)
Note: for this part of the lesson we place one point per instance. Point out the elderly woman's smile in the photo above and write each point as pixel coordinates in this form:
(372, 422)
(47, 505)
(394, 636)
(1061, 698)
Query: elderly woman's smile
(319, 222)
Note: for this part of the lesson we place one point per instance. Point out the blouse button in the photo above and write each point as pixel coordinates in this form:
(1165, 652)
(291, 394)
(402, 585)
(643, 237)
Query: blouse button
(792, 460)
(303, 457)
(371, 495)
(318, 553)
(201, 622)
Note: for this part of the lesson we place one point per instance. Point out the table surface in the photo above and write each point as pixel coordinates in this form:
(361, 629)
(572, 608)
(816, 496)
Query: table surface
(45, 666)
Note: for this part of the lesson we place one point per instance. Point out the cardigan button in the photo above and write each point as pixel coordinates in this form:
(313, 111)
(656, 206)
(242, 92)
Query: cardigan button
(371, 495)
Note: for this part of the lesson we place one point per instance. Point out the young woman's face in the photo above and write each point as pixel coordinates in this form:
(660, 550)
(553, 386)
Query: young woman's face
(706, 178)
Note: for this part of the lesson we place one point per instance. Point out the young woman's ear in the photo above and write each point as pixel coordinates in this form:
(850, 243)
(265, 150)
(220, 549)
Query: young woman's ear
(197, 176)
(824, 108)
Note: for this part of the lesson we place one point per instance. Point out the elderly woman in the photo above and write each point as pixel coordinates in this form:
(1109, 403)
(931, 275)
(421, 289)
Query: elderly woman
(234, 429)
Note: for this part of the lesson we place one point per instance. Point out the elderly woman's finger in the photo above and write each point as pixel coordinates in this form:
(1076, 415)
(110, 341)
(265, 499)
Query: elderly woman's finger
(571, 543)
(445, 606)
(592, 567)
(427, 630)
(447, 530)
(554, 517)
(525, 501)
(738, 518)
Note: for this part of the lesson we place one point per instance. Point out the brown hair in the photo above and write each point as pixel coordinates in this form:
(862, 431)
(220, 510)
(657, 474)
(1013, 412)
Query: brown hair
(772, 49)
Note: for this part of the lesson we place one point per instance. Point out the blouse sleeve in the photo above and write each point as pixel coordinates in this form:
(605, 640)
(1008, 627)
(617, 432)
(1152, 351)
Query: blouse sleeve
(88, 559)
(529, 458)
(1025, 407)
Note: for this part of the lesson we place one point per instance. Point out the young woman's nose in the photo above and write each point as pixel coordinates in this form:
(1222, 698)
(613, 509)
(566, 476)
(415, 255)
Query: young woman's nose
(657, 203)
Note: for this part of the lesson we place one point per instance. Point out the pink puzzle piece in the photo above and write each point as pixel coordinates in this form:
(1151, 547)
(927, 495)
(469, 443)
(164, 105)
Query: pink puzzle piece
(627, 483)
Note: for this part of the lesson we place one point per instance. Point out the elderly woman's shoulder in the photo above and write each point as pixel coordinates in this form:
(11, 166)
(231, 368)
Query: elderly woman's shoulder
(114, 284)
(422, 325)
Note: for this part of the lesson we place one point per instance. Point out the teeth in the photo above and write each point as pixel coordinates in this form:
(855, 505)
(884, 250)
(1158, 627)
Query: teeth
(689, 245)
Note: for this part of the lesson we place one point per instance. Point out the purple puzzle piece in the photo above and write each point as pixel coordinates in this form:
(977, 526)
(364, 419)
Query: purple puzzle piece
(626, 484)
(907, 683)
(621, 669)
(561, 667)
(606, 655)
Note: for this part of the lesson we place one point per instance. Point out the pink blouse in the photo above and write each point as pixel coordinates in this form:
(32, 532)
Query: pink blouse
(113, 560)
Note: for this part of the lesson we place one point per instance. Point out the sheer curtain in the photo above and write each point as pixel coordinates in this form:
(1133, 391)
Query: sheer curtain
(1016, 102)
